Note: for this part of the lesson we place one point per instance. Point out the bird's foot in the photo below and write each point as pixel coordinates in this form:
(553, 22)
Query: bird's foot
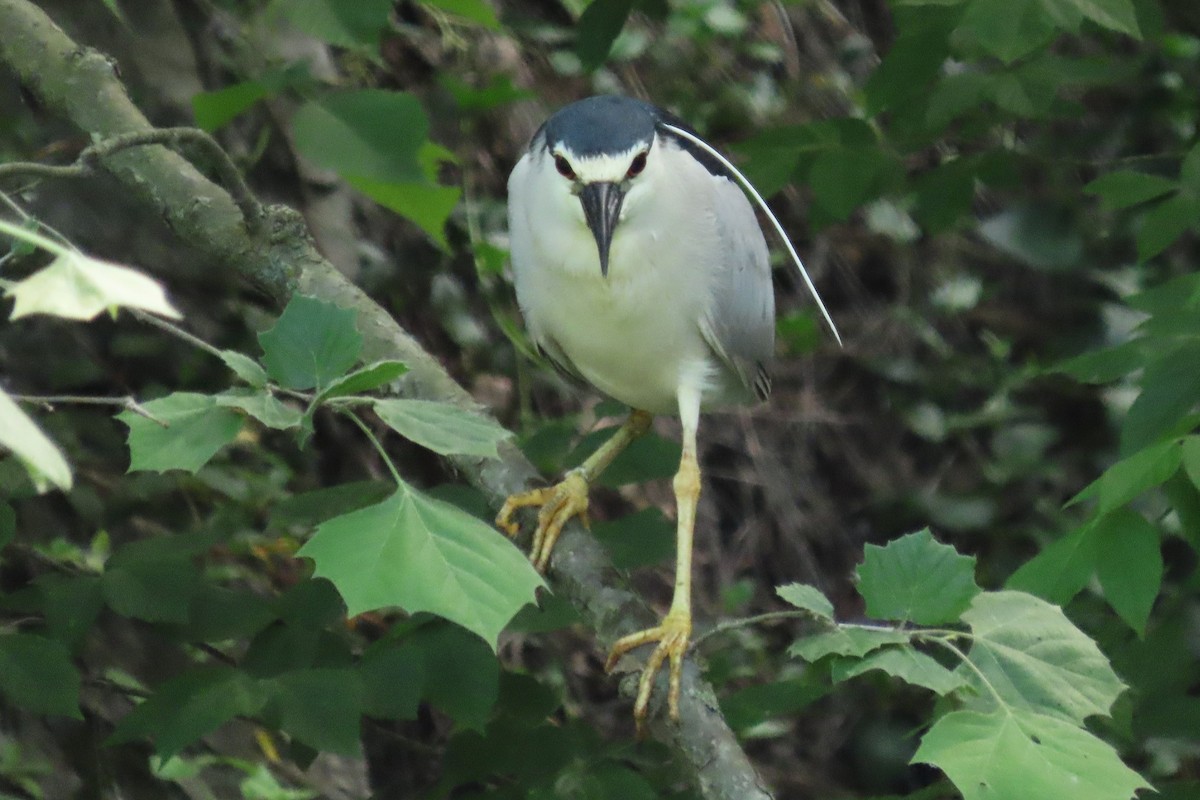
(672, 637)
(557, 504)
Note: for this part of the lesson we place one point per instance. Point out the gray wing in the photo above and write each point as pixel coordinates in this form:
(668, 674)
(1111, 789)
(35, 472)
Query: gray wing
(740, 325)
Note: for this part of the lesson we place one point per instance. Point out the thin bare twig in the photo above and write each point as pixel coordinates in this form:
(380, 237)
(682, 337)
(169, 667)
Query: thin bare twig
(128, 402)
(91, 158)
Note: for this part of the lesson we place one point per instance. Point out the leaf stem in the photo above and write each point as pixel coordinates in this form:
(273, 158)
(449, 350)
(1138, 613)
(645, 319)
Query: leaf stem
(378, 445)
(945, 642)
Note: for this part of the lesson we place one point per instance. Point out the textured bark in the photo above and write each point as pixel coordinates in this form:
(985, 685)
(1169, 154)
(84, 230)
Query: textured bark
(278, 258)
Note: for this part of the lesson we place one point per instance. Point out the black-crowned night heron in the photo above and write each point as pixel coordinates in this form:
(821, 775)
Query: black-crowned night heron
(641, 268)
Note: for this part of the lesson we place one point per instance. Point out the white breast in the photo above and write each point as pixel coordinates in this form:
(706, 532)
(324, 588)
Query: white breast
(635, 334)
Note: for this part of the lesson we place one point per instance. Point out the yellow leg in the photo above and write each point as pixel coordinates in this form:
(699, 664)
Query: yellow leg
(675, 630)
(569, 497)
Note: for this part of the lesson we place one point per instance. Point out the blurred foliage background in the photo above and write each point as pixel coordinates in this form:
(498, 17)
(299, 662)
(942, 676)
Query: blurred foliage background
(997, 201)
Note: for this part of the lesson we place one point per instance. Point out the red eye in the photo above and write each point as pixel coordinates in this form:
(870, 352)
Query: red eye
(564, 167)
(636, 166)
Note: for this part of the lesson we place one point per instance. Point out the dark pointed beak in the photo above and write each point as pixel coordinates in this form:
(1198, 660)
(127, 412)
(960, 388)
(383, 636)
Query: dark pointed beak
(602, 208)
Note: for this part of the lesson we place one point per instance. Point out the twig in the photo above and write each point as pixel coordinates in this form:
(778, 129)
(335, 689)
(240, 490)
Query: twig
(128, 402)
(91, 158)
(746, 622)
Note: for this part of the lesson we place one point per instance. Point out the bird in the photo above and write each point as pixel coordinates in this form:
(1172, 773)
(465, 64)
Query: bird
(640, 267)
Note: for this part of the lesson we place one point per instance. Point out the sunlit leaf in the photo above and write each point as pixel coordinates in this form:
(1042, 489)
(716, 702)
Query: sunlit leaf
(907, 664)
(441, 427)
(845, 641)
(808, 598)
(424, 555)
(40, 456)
(366, 379)
(1032, 657)
(263, 406)
(1016, 754)
(76, 286)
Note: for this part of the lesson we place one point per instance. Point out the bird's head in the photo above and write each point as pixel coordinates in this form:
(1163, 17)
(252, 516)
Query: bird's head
(602, 150)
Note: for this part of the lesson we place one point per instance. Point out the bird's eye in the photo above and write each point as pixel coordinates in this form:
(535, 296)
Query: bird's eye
(636, 166)
(564, 167)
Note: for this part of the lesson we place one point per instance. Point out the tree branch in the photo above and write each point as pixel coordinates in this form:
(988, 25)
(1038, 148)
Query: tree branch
(279, 258)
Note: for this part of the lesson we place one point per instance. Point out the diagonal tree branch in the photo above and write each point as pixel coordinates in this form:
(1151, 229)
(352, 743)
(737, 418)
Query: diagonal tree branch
(278, 257)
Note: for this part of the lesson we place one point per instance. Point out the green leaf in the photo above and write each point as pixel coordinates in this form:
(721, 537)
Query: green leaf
(424, 555)
(598, 27)
(70, 605)
(8, 524)
(365, 379)
(1131, 476)
(477, 11)
(214, 110)
(1116, 15)
(907, 664)
(639, 539)
(393, 675)
(153, 589)
(312, 508)
(263, 406)
(843, 178)
(312, 343)
(37, 674)
(1008, 29)
(1190, 455)
(1170, 389)
(1109, 364)
(1129, 565)
(755, 704)
(75, 286)
(462, 676)
(1124, 188)
(245, 368)
(1020, 755)
(648, 458)
(1058, 572)
(428, 205)
(1039, 236)
(1166, 222)
(806, 597)
(40, 456)
(1033, 658)
(354, 24)
(845, 641)
(196, 428)
(320, 707)
(188, 707)
(372, 134)
(441, 427)
(916, 579)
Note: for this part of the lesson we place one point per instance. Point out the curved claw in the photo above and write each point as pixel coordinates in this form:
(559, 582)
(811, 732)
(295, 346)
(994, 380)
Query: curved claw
(672, 637)
(558, 504)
